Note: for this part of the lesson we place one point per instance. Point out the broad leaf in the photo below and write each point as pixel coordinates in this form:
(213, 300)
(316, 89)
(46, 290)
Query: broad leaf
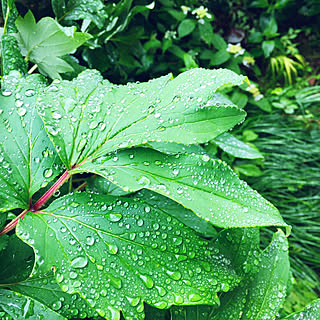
(43, 43)
(119, 253)
(47, 292)
(3, 243)
(311, 312)
(17, 307)
(206, 186)
(16, 261)
(264, 294)
(230, 144)
(172, 208)
(28, 160)
(88, 117)
(79, 10)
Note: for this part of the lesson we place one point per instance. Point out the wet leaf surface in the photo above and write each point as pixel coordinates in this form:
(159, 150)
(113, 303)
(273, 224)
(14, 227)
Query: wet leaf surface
(28, 160)
(89, 117)
(120, 253)
(206, 186)
(310, 312)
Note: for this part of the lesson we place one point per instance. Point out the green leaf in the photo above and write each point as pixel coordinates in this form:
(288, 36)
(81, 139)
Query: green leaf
(173, 209)
(19, 307)
(240, 99)
(259, 4)
(269, 25)
(221, 197)
(11, 57)
(249, 169)
(45, 42)
(267, 291)
(174, 148)
(267, 47)
(3, 242)
(119, 253)
(186, 27)
(262, 296)
(218, 42)
(219, 57)
(311, 312)
(89, 117)
(74, 10)
(47, 292)
(16, 261)
(28, 159)
(230, 144)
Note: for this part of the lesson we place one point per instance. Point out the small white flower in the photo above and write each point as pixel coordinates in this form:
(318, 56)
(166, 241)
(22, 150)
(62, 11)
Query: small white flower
(201, 12)
(247, 61)
(201, 21)
(170, 35)
(258, 97)
(236, 49)
(185, 9)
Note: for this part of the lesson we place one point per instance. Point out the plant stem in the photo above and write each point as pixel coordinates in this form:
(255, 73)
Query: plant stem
(51, 191)
(34, 67)
(13, 222)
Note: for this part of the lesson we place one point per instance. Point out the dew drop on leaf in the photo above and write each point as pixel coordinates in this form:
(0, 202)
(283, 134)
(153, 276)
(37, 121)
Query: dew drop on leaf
(79, 262)
(146, 280)
(47, 173)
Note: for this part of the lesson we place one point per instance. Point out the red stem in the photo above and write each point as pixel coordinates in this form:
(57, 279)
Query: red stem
(51, 191)
(13, 222)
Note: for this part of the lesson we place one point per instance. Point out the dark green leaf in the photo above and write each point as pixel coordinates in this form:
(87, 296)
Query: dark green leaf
(46, 291)
(230, 144)
(16, 261)
(206, 32)
(11, 58)
(45, 42)
(249, 169)
(119, 253)
(79, 10)
(240, 99)
(191, 312)
(186, 27)
(311, 312)
(259, 4)
(218, 42)
(86, 119)
(269, 25)
(28, 159)
(219, 57)
(206, 186)
(20, 307)
(3, 242)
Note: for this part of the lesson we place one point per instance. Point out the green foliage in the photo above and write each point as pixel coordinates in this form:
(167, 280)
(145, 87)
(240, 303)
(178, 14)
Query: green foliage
(152, 224)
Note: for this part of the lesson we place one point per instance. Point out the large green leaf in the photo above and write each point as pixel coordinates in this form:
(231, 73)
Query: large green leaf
(17, 307)
(206, 186)
(311, 312)
(45, 42)
(46, 291)
(88, 117)
(28, 159)
(119, 253)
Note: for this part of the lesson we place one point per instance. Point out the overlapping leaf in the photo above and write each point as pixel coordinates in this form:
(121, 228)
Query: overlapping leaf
(28, 159)
(206, 186)
(17, 306)
(235, 147)
(88, 117)
(310, 312)
(46, 291)
(265, 294)
(119, 253)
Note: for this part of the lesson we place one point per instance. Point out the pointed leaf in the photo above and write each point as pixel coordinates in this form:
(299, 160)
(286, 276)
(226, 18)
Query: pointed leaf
(230, 144)
(119, 253)
(28, 160)
(206, 186)
(89, 117)
(46, 291)
(267, 291)
(311, 312)
(17, 307)
(44, 42)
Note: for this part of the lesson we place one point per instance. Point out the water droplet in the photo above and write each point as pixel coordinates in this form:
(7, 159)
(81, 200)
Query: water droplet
(56, 115)
(205, 157)
(144, 181)
(57, 305)
(194, 297)
(133, 301)
(113, 216)
(140, 222)
(113, 248)
(47, 173)
(90, 240)
(30, 93)
(93, 124)
(162, 292)
(6, 93)
(175, 275)
(175, 172)
(146, 280)
(178, 299)
(22, 111)
(79, 262)
(160, 304)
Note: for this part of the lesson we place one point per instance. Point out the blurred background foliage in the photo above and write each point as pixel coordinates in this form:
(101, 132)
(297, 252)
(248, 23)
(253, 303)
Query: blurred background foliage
(275, 43)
